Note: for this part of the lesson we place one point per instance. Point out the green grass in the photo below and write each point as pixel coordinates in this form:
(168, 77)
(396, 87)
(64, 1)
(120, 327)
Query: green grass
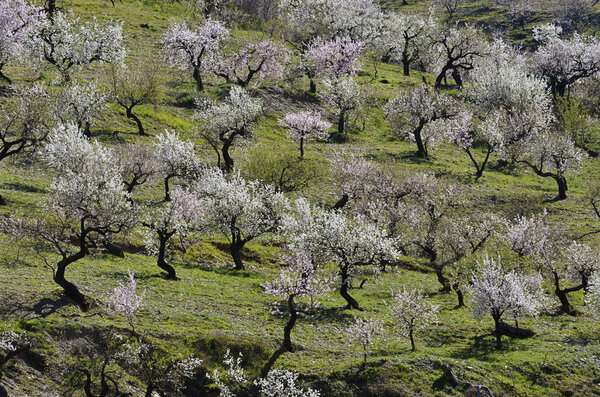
(212, 308)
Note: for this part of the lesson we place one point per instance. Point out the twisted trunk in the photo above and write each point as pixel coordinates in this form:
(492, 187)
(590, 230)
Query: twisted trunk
(163, 238)
(138, 122)
(287, 330)
(198, 79)
(352, 303)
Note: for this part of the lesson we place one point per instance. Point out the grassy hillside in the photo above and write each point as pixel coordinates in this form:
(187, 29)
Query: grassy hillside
(213, 308)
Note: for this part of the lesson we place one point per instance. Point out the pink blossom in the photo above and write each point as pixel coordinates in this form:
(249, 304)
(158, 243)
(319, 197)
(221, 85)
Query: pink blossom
(334, 58)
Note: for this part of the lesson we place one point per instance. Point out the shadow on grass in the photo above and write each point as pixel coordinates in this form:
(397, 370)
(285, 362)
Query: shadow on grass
(47, 306)
(480, 348)
(22, 187)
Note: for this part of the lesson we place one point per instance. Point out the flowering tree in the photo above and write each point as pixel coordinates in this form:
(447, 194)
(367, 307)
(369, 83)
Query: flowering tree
(160, 372)
(240, 210)
(282, 383)
(137, 163)
(126, 300)
(175, 158)
(81, 103)
(403, 38)
(87, 198)
(333, 59)
(496, 291)
(18, 21)
(348, 242)
(11, 345)
(454, 50)
(412, 312)
(25, 122)
(300, 279)
(304, 126)
(178, 216)
(419, 114)
(345, 96)
(528, 236)
(363, 332)
(563, 62)
(553, 155)
(592, 298)
(66, 43)
(196, 50)
(263, 60)
(225, 123)
(136, 86)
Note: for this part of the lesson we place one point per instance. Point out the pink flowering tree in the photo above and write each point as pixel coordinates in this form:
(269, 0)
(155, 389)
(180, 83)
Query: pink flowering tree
(138, 163)
(178, 216)
(263, 60)
(18, 21)
(412, 313)
(496, 291)
(363, 332)
(332, 59)
(301, 279)
(126, 300)
(304, 126)
(196, 49)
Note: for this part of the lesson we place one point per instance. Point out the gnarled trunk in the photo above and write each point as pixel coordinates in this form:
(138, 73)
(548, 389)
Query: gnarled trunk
(352, 303)
(287, 330)
(70, 289)
(163, 238)
(138, 122)
(198, 79)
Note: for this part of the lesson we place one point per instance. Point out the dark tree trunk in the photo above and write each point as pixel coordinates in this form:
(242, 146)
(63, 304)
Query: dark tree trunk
(87, 130)
(198, 78)
(163, 238)
(341, 202)
(498, 331)
(51, 9)
(412, 340)
(167, 187)
(439, 272)
(561, 181)
(236, 254)
(287, 330)
(405, 64)
(149, 390)
(2, 200)
(460, 296)
(5, 77)
(440, 77)
(301, 147)
(129, 113)
(341, 125)
(70, 289)
(226, 157)
(313, 86)
(457, 78)
(421, 149)
(352, 303)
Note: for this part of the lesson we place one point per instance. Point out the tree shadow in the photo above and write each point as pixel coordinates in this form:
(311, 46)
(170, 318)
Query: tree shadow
(46, 306)
(480, 348)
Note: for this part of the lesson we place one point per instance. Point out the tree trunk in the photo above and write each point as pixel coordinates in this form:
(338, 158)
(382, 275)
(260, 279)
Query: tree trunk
(87, 130)
(313, 86)
(135, 118)
(69, 288)
(2, 200)
(236, 254)
(440, 77)
(167, 188)
(412, 340)
(198, 78)
(352, 303)
(341, 125)
(51, 9)
(459, 294)
(405, 65)
(161, 262)
(561, 181)
(5, 77)
(226, 157)
(301, 147)
(498, 331)
(443, 280)
(341, 202)
(421, 149)
(149, 390)
(287, 330)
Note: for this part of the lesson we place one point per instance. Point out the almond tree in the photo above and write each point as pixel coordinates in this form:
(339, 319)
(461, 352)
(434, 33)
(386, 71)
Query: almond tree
(240, 210)
(194, 49)
(135, 86)
(25, 122)
(81, 103)
(333, 59)
(363, 332)
(420, 115)
(304, 126)
(175, 158)
(65, 43)
(412, 312)
(18, 22)
(345, 96)
(496, 291)
(225, 123)
(12, 344)
(138, 163)
(403, 39)
(301, 279)
(563, 62)
(178, 216)
(87, 199)
(553, 155)
(263, 60)
(125, 300)
(347, 242)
